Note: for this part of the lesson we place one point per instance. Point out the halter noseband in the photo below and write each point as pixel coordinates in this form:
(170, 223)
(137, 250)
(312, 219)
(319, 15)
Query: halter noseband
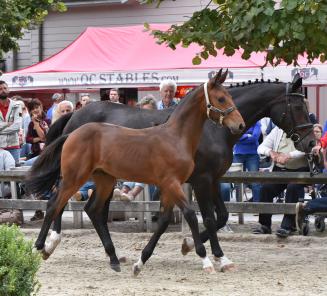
(292, 134)
(210, 107)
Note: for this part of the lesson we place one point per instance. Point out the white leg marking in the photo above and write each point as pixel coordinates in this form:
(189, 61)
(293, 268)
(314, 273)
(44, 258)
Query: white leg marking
(207, 265)
(225, 264)
(137, 267)
(54, 241)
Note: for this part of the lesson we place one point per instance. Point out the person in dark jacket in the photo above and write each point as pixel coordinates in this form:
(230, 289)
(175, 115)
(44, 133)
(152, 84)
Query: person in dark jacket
(245, 152)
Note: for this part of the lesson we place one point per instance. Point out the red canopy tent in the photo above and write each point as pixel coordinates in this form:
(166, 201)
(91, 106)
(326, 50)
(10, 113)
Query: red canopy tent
(127, 56)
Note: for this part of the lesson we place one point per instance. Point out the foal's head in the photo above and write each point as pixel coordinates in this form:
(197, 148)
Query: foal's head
(221, 107)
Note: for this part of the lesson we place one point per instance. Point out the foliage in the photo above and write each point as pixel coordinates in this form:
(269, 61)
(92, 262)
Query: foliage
(284, 30)
(17, 15)
(18, 263)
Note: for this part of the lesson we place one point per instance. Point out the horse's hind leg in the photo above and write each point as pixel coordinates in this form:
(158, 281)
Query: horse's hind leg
(163, 223)
(97, 209)
(55, 237)
(54, 207)
(40, 242)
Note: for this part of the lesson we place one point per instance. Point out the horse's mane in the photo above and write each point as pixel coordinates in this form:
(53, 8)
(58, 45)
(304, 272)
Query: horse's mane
(249, 82)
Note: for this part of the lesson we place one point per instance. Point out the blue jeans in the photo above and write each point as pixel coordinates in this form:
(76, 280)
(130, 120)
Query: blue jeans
(83, 190)
(225, 191)
(25, 150)
(251, 164)
(318, 205)
(31, 161)
(15, 154)
(131, 185)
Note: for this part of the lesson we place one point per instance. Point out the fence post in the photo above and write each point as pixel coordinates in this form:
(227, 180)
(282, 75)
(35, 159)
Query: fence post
(239, 198)
(238, 167)
(78, 219)
(148, 215)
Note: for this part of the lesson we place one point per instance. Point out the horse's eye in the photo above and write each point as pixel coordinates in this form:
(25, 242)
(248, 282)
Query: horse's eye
(221, 100)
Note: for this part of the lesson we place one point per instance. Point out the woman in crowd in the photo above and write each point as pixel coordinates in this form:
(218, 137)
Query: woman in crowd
(37, 128)
(36, 132)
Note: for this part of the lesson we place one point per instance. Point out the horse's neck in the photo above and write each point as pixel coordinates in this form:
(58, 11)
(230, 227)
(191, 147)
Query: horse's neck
(252, 107)
(188, 119)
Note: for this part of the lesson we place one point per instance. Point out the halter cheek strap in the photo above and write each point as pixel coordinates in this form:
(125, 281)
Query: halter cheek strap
(222, 113)
(207, 98)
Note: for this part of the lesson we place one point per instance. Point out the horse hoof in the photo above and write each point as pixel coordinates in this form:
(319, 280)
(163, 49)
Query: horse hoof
(122, 259)
(136, 270)
(228, 268)
(225, 265)
(45, 255)
(115, 267)
(187, 245)
(209, 270)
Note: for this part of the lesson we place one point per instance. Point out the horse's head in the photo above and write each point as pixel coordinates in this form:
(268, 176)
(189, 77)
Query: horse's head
(291, 114)
(220, 105)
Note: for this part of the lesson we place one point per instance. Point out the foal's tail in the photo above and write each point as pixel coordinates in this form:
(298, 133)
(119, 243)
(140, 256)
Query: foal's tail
(56, 129)
(45, 172)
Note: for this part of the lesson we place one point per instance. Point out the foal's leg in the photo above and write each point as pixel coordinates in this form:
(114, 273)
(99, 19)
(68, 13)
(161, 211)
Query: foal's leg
(97, 209)
(55, 206)
(163, 223)
(55, 236)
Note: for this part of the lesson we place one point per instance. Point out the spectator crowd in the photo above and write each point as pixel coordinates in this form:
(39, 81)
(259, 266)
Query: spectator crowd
(24, 125)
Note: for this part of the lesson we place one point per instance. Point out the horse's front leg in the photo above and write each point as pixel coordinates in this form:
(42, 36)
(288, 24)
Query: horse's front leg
(163, 222)
(208, 197)
(191, 219)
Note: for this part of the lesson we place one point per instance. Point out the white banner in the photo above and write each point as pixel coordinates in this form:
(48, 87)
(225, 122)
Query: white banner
(121, 79)
(312, 75)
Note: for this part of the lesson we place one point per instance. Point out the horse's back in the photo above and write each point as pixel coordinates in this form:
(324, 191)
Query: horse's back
(118, 114)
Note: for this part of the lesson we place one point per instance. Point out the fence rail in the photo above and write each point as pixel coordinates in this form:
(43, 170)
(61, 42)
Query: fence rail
(150, 206)
(19, 174)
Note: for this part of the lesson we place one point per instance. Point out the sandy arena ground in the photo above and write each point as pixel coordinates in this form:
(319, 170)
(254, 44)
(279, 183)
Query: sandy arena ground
(266, 266)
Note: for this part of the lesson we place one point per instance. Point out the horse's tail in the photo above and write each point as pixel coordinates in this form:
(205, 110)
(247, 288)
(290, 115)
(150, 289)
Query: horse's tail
(45, 172)
(57, 128)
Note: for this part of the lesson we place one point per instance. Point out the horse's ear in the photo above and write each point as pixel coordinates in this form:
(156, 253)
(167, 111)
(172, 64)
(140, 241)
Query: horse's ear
(223, 77)
(218, 77)
(296, 83)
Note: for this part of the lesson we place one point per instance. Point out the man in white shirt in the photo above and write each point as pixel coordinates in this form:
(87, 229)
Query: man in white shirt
(284, 158)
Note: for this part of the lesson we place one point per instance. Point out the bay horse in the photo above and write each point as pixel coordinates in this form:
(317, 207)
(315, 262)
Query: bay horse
(280, 101)
(161, 155)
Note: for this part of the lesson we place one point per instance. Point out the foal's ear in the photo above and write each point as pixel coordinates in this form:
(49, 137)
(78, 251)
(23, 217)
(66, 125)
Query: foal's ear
(220, 78)
(296, 83)
(217, 77)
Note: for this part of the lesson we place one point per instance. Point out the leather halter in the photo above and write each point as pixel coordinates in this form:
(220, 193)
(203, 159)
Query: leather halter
(293, 132)
(210, 107)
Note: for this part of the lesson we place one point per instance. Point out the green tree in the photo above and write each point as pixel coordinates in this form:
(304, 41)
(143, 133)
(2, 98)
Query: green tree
(17, 15)
(285, 29)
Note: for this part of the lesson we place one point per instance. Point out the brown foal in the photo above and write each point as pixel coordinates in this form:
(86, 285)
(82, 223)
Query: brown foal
(161, 155)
